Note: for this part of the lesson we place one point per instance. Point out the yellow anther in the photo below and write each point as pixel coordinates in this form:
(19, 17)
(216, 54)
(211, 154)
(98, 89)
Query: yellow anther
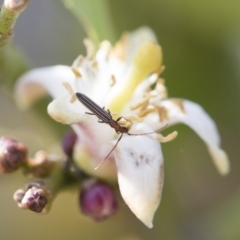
(148, 59)
(78, 62)
(147, 111)
(179, 103)
(142, 105)
(70, 91)
(162, 112)
(168, 138)
(95, 64)
(76, 72)
(89, 47)
(113, 80)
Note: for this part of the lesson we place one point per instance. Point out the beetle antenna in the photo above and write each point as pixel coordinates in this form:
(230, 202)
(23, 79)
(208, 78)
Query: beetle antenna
(139, 134)
(109, 152)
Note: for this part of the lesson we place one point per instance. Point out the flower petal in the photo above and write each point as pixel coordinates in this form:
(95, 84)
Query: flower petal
(64, 111)
(136, 39)
(194, 116)
(36, 83)
(139, 163)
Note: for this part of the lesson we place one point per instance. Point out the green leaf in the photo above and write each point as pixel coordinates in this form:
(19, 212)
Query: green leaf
(94, 15)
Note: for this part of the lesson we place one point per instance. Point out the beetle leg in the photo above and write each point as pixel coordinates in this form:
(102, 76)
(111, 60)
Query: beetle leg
(89, 113)
(100, 121)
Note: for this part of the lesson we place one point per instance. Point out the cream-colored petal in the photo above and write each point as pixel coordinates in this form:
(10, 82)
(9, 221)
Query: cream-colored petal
(64, 111)
(220, 159)
(41, 81)
(136, 39)
(193, 115)
(139, 164)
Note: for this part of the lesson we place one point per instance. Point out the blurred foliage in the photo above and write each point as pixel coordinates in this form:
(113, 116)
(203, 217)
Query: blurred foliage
(94, 15)
(201, 43)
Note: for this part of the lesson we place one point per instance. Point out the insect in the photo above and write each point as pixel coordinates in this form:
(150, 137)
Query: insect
(104, 116)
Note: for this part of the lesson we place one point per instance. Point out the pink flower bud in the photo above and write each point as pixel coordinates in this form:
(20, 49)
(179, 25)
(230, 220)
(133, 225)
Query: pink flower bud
(13, 154)
(97, 200)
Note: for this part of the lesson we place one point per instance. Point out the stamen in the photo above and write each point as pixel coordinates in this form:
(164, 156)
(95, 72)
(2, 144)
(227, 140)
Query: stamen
(160, 70)
(78, 62)
(105, 49)
(148, 58)
(160, 88)
(90, 48)
(76, 72)
(147, 111)
(95, 64)
(73, 98)
(70, 91)
(142, 104)
(120, 47)
(168, 138)
(113, 81)
(179, 103)
(162, 112)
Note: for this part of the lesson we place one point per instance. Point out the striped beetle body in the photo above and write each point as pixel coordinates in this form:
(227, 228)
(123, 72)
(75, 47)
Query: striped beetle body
(106, 117)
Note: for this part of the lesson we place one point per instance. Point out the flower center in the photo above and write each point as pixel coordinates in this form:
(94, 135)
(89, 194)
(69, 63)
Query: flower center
(148, 59)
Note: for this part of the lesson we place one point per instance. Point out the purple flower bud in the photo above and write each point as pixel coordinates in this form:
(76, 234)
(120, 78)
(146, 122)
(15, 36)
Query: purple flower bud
(68, 142)
(13, 154)
(97, 200)
(34, 200)
(34, 196)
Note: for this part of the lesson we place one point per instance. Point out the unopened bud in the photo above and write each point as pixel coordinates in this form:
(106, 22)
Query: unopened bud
(13, 154)
(97, 200)
(41, 165)
(16, 5)
(68, 142)
(34, 196)
(34, 199)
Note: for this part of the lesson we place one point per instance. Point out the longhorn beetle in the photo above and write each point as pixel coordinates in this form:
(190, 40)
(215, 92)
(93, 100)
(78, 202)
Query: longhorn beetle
(105, 117)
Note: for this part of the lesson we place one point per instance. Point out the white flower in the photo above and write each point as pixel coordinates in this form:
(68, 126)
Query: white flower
(121, 79)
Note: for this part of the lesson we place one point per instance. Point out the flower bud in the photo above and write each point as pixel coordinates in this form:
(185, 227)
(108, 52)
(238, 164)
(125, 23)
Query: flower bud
(34, 196)
(34, 199)
(97, 200)
(41, 165)
(13, 154)
(68, 142)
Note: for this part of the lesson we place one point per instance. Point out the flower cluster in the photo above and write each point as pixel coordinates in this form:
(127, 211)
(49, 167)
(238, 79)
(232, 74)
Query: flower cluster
(125, 79)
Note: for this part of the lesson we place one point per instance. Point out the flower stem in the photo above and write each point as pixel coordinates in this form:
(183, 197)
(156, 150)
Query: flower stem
(9, 13)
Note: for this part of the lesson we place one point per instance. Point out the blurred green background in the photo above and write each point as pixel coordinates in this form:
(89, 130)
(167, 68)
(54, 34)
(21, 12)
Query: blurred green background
(201, 46)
